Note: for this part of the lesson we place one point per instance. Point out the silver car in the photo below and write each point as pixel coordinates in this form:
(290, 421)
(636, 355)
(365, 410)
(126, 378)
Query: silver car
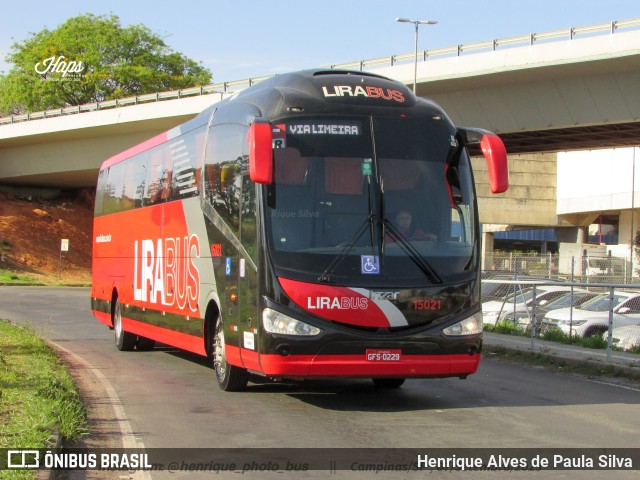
(521, 302)
(592, 318)
(625, 338)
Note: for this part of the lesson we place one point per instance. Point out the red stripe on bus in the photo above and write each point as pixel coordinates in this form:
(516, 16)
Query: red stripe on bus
(233, 355)
(340, 304)
(103, 317)
(141, 147)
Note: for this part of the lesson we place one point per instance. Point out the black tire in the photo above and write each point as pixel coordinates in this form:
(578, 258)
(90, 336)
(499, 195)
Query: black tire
(594, 331)
(388, 382)
(230, 378)
(125, 341)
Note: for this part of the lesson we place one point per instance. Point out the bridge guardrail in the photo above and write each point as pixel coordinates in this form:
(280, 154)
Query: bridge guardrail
(223, 88)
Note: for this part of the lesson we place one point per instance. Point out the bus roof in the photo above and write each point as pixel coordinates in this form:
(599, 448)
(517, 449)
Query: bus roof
(298, 93)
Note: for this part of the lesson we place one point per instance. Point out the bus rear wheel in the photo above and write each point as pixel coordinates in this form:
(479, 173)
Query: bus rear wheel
(230, 378)
(125, 341)
(388, 382)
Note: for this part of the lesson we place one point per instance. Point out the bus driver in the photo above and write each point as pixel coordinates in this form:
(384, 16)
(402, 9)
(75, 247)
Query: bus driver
(403, 223)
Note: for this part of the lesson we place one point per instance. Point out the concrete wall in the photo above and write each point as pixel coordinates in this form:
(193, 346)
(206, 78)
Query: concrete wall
(531, 198)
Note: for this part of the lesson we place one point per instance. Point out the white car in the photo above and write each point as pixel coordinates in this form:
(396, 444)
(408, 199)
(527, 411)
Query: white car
(625, 338)
(496, 310)
(592, 318)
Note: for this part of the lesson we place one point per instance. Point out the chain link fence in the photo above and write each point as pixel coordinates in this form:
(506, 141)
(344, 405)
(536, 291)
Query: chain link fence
(584, 269)
(592, 314)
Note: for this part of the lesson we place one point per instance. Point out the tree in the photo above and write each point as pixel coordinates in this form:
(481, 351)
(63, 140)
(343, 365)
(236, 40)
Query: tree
(89, 59)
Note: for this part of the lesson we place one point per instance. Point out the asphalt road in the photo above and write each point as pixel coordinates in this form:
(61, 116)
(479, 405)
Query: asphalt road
(168, 398)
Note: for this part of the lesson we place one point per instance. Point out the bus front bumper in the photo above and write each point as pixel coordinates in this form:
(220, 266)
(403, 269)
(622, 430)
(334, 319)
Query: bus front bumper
(354, 366)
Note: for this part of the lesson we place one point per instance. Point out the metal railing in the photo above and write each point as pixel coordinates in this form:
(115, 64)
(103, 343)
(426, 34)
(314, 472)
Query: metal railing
(528, 306)
(224, 87)
(587, 269)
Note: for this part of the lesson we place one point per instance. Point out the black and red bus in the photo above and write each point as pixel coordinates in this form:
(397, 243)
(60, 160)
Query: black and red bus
(318, 224)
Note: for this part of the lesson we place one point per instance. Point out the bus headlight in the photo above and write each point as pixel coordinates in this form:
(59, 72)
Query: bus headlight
(276, 322)
(468, 326)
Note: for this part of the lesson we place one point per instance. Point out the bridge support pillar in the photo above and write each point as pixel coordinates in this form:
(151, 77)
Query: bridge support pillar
(487, 251)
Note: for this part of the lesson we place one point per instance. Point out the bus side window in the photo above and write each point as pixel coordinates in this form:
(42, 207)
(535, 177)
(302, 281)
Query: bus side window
(248, 228)
(184, 152)
(135, 177)
(224, 161)
(167, 173)
(155, 171)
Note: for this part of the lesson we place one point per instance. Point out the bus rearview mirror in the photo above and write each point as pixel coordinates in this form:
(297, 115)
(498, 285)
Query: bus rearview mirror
(260, 153)
(496, 154)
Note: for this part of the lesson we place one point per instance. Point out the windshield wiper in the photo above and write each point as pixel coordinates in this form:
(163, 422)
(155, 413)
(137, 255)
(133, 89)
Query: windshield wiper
(412, 253)
(383, 225)
(368, 222)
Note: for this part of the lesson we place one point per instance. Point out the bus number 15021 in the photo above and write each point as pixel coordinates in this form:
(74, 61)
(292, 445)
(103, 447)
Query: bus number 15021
(427, 304)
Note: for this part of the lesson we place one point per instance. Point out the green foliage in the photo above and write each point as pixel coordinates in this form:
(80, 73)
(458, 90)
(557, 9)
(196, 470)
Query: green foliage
(10, 277)
(551, 334)
(104, 60)
(557, 335)
(38, 395)
(506, 327)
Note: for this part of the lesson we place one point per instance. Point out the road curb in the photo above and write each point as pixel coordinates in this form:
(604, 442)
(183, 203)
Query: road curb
(55, 446)
(578, 356)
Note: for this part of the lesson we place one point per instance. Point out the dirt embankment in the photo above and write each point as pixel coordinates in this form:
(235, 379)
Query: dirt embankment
(31, 232)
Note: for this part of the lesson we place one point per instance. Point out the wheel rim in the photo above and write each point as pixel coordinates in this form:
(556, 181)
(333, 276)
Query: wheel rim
(219, 358)
(117, 321)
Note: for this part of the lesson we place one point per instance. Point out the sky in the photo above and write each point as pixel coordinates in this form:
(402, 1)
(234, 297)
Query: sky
(249, 38)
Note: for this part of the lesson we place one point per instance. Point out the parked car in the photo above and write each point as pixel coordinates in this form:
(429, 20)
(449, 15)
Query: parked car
(625, 338)
(496, 290)
(592, 318)
(578, 298)
(520, 302)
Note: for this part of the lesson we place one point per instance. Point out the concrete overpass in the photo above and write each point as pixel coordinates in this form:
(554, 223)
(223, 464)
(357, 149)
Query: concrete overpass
(546, 92)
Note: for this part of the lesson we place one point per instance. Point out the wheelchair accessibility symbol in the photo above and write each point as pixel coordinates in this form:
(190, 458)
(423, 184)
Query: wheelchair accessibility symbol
(227, 268)
(370, 264)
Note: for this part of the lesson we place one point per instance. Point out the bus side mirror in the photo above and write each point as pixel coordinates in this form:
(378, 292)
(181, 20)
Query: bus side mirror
(495, 153)
(260, 153)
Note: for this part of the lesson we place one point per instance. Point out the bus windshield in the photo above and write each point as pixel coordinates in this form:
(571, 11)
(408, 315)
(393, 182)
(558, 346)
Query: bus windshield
(370, 200)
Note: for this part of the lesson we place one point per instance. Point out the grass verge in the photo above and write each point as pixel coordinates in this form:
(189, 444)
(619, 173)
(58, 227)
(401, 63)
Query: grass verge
(16, 278)
(9, 277)
(37, 394)
(553, 335)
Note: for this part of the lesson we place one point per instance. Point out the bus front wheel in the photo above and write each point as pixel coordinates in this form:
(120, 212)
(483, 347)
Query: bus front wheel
(230, 378)
(125, 341)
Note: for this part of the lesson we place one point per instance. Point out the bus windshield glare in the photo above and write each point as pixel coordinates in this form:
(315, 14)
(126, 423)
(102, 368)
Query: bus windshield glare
(370, 199)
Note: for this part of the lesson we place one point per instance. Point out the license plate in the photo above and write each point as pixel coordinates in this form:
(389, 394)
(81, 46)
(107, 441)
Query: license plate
(383, 355)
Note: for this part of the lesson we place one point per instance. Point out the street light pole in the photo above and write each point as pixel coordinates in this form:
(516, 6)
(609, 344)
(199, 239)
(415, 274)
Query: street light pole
(415, 63)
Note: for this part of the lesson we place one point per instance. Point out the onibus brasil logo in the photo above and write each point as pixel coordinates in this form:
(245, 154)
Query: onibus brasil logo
(67, 69)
